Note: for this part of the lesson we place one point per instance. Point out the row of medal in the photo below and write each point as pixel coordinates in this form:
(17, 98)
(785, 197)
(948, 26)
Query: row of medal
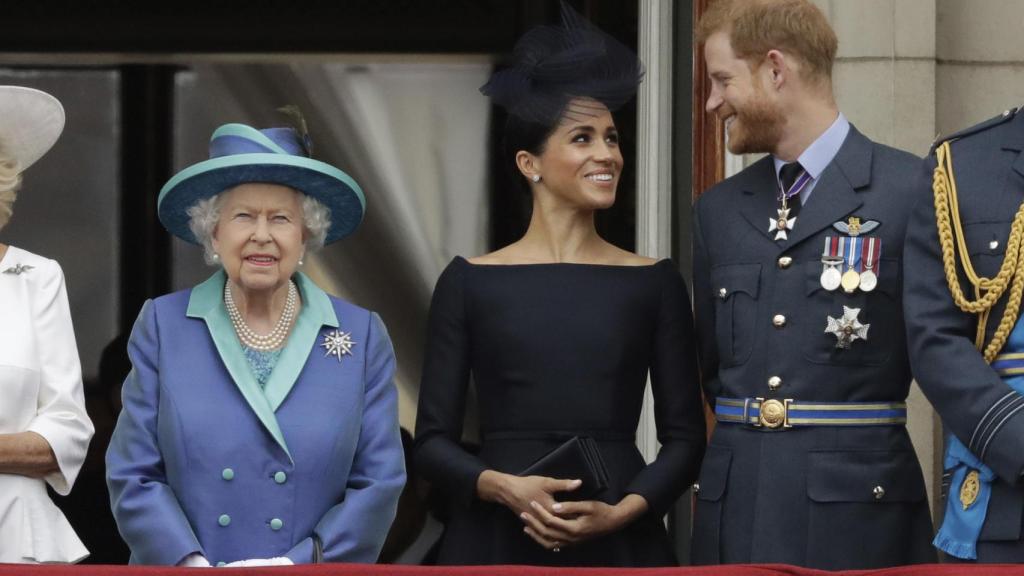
(850, 262)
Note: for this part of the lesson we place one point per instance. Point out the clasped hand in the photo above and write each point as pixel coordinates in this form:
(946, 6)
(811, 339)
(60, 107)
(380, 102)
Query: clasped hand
(554, 524)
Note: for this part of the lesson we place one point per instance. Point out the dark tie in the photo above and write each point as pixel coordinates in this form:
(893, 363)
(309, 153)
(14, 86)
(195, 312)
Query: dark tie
(788, 175)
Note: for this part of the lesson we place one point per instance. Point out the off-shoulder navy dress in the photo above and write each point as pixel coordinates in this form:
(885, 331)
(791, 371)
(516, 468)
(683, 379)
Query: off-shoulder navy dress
(557, 350)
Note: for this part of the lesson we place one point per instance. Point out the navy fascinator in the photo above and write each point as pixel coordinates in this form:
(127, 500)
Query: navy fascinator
(553, 65)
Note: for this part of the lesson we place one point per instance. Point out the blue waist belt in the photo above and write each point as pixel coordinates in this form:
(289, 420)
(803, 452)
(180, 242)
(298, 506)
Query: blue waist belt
(779, 413)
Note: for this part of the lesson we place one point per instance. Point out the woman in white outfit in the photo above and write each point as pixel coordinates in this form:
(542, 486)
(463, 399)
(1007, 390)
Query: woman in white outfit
(44, 429)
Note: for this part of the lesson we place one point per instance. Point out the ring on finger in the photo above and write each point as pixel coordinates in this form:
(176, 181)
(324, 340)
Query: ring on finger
(557, 547)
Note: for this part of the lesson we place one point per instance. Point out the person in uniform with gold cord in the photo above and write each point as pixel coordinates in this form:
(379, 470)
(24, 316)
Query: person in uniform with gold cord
(962, 303)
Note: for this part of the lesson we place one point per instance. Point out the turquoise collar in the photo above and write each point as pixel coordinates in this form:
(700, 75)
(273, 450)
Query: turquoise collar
(207, 302)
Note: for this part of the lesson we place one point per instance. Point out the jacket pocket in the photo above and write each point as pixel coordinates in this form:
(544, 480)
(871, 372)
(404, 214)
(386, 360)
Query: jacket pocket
(864, 476)
(735, 289)
(879, 309)
(707, 525)
(866, 505)
(986, 243)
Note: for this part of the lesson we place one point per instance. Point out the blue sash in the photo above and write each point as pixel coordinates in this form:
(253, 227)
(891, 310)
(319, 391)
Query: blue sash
(962, 523)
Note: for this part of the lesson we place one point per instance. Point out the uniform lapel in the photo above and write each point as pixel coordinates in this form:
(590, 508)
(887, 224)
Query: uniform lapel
(316, 313)
(760, 203)
(207, 302)
(835, 194)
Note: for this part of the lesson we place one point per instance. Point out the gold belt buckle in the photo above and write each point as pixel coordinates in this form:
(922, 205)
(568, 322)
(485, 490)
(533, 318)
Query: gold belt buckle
(774, 413)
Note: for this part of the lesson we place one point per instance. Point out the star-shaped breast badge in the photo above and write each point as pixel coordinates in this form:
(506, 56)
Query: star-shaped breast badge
(848, 328)
(18, 269)
(781, 224)
(338, 344)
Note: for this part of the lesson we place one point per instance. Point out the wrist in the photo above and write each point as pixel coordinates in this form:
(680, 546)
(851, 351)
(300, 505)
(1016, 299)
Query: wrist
(492, 486)
(631, 507)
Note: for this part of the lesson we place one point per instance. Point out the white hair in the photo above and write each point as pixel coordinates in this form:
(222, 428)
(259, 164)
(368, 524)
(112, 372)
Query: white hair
(204, 215)
(10, 182)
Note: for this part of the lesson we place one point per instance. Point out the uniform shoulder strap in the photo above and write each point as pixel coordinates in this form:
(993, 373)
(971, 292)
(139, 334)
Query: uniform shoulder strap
(1003, 118)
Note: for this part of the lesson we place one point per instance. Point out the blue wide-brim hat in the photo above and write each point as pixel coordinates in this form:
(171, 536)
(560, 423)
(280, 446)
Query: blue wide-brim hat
(241, 154)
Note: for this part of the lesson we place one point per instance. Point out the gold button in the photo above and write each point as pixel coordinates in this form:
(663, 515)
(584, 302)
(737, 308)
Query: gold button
(722, 293)
(879, 492)
(779, 320)
(785, 262)
(775, 382)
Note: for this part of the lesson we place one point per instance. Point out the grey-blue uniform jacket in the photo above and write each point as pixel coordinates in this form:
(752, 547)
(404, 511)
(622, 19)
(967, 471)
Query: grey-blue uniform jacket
(974, 402)
(819, 496)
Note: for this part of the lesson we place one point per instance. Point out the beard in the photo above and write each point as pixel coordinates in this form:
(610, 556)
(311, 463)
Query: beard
(756, 128)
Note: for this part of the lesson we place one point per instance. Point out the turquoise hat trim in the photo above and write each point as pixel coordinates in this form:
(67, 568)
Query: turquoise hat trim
(332, 187)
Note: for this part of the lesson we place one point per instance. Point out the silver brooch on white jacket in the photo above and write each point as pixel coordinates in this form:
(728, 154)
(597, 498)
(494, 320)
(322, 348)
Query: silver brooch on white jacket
(18, 269)
(338, 344)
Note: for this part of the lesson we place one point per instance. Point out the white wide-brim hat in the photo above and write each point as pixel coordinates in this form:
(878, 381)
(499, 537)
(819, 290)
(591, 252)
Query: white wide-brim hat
(30, 123)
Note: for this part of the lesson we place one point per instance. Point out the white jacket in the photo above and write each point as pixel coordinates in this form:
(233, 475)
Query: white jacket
(40, 391)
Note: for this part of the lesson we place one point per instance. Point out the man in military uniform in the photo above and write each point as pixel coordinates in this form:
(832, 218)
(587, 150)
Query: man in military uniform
(962, 303)
(797, 297)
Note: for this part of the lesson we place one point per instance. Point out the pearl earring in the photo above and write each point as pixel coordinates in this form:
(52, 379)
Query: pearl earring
(535, 177)
(216, 257)
(301, 262)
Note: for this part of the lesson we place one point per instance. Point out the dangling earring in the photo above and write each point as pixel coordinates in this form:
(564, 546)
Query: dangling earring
(535, 177)
(301, 262)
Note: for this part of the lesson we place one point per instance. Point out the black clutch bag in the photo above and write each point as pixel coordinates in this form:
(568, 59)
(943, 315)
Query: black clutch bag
(577, 458)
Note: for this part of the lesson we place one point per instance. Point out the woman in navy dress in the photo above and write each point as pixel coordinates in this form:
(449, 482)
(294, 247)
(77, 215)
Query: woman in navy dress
(559, 332)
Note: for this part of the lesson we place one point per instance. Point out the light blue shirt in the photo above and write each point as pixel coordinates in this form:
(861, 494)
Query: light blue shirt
(819, 154)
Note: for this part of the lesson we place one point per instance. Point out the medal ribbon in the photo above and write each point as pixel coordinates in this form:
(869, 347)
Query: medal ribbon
(798, 186)
(853, 254)
(872, 254)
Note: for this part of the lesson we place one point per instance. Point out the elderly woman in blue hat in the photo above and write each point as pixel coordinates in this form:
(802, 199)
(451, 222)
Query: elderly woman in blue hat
(260, 417)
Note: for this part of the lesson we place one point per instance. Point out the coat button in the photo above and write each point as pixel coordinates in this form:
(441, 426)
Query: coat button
(722, 293)
(785, 262)
(227, 474)
(993, 245)
(280, 477)
(276, 524)
(778, 320)
(224, 520)
(775, 382)
(879, 492)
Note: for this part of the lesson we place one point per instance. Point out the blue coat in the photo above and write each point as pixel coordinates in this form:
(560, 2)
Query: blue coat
(203, 460)
(976, 404)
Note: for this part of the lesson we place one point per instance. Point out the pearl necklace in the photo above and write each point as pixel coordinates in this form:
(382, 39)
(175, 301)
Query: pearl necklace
(277, 336)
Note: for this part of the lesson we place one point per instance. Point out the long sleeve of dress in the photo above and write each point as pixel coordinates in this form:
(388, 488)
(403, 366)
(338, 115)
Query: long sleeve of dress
(60, 415)
(148, 514)
(442, 401)
(678, 411)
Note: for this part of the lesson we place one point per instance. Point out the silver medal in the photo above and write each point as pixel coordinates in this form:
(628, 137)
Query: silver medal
(868, 281)
(831, 278)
